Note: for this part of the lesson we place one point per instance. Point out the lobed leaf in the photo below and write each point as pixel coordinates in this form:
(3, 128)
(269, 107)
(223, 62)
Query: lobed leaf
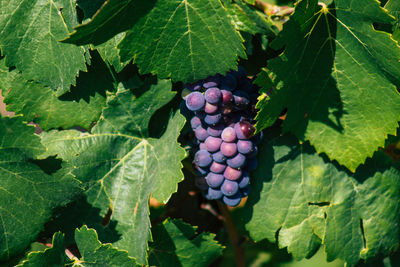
(176, 244)
(121, 165)
(29, 38)
(302, 201)
(337, 78)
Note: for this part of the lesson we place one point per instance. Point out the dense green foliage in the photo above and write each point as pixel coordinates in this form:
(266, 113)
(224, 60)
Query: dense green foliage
(96, 164)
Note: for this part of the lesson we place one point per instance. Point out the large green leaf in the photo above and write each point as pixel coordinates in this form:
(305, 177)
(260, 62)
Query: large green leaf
(29, 38)
(186, 40)
(121, 165)
(301, 201)
(94, 253)
(337, 78)
(42, 105)
(110, 53)
(27, 194)
(176, 244)
(393, 7)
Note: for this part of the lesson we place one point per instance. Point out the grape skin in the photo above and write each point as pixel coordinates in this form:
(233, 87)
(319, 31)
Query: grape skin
(227, 147)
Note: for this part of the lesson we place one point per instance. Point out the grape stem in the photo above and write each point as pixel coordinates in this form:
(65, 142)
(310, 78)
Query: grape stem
(233, 234)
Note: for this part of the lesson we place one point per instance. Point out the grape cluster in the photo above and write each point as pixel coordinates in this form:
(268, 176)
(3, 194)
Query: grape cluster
(221, 110)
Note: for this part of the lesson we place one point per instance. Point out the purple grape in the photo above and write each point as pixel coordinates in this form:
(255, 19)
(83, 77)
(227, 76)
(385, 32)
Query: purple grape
(201, 133)
(201, 171)
(244, 181)
(228, 149)
(245, 146)
(232, 201)
(232, 174)
(237, 161)
(241, 99)
(229, 188)
(202, 146)
(215, 130)
(210, 108)
(244, 130)
(213, 143)
(228, 135)
(213, 95)
(214, 180)
(201, 183)
(209, 84)
(227, 97)
(194, 86)
(212, 119)
(252, 164)
(195, 101)
(195, 122)
(219, 157)
(202, 158)
(229, 82)
(217, 167)
(226, 109)
(213, 194)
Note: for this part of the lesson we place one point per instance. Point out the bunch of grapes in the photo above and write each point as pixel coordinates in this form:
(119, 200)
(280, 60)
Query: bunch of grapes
(221, 110)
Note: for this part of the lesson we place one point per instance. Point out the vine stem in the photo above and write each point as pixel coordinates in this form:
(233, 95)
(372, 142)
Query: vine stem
(233, 234)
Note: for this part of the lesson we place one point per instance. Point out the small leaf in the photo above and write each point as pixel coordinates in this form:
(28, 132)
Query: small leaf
(176, 244)
(29, 38)
(302, 201)
(121, 165)
(95, 253)
(54, 256)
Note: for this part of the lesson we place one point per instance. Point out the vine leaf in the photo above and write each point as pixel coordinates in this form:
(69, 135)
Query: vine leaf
(186, 40)
(177, 244)
(27, 194)
(394, 9)
(110, 52)
(121, 165)
(54, 256)
(41, 104)
(337, 78)
(303, 201)
(29, 38)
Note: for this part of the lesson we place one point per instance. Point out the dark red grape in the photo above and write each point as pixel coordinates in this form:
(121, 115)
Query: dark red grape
(228, 149)
(245, 146)
(228, 135)
(214, 180)
(195, 101)
(217, 167)
(237, 161)
(244, 130)
(202, 158)
(227, 97)
(213, 95)
(229, 188)
(232, 174)
(213, 143)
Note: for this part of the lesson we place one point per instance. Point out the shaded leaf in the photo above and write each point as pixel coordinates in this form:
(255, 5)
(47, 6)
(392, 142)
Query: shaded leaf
(27, 194)
(177, 244)
(95, 253)
(110, 53)
(338, 77)
(121, 165)
(29, 35)
(302, 201)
